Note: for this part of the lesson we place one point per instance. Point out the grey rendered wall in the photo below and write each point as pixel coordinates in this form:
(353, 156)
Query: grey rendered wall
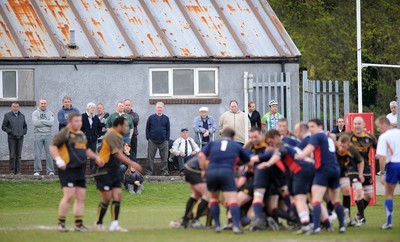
(110, 83)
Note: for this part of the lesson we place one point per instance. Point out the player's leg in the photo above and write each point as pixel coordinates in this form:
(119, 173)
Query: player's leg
(345, 189)
(231, 199)
(189, 206)
(116, 193)
(201, 188)
(358, 198)
(318, 193)
(68, 195)
(214, 210)
(302, 210)
(392, 178)
(102, 208)
(79, 206)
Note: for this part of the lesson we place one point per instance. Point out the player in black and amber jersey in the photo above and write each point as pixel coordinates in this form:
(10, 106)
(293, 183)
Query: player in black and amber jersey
(108, 179)
(70, 151)
(350, 163)
(365, 144)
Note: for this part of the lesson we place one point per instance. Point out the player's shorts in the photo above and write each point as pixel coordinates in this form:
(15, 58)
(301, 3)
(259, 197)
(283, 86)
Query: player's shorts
(248, 187)
(344, 173)
(108, 181)
(302, 180)
(72, 177)
(264, 178)
(192, 177)
(393, 173)
(222, 179)
(367, 179)
(327, 176)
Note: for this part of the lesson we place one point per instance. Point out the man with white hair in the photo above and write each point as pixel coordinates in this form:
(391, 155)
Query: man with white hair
(393, 115)
(204, 127)
(91, 127)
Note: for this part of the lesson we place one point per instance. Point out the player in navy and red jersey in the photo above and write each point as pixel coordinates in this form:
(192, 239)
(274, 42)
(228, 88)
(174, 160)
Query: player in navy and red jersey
(327, 174)
(223, 156)
(303, 134)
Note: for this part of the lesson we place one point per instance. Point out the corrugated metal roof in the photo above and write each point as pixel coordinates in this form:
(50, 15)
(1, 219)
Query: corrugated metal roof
(142, 28)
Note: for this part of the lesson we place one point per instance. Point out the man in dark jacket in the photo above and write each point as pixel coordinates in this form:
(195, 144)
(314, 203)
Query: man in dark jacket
(65, 110)
(340, 127)
(91, 127)
(254, 116)
(157, 134)
(14, 125)
(135, 119)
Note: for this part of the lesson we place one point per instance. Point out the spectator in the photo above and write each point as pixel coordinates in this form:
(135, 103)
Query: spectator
(393, 115)
(65, 110)
(127, 152)
(204, 126)
(91, 127)
(340, 127)
(14, 125)
(102, 115)
(254, 116)
(234, 119)
(270, 119)
(43, 121)
(135, 118)
(184, 148)
(133, 181)
(157, 135)
(120, 112)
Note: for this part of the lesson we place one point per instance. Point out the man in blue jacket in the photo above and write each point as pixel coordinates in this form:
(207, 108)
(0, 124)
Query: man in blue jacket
(65, 110)
(204, 126)
(157, 135)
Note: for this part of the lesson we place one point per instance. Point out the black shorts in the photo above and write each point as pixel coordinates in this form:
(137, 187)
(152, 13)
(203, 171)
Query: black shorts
(248, 187)
(192, 177)
(107, 182)
(72, 177)
(367, 179)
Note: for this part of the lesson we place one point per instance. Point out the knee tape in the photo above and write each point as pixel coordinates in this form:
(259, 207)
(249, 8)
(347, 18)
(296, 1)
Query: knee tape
(368, 189)
(304, 217)
(344, 182)
(259, 194)
(357, 186)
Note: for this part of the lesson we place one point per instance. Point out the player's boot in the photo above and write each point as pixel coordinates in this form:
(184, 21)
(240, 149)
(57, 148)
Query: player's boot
(386, 227)
(273, 224)
(228, 226)
(218, 229)
(114, 227)
(100, 227)
(342, 230)
(314, 231)
(237, 230)
(196, 224)
(81, 228)
(62, 228)
(360, 220)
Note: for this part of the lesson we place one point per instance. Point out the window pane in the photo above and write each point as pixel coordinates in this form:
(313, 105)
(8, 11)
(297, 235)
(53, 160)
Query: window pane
(160, 82)
(9, 84)
(207, 82)
(183, 82)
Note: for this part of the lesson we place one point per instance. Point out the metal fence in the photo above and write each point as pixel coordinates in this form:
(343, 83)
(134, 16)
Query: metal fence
(326, 100)
(274, 86)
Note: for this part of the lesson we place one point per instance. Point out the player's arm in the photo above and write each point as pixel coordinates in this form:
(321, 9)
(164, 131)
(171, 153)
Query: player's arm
(275, 158)
(381, 152)
(305, 153)
(92, 155)
(56, 155)
(121, 157)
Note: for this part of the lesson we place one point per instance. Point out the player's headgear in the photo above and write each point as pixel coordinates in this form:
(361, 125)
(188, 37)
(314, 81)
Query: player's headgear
(272, 102)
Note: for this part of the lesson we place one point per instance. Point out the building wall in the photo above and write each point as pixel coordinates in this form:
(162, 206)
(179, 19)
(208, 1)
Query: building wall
(110, 83)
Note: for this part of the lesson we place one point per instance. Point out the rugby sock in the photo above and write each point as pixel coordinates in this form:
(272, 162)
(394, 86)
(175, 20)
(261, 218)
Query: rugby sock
(389, 210)
(101, 211)
(214, 209)
(304, 218)
(366, 203)
(189, 206)
(245, 221)
(346, 202)
(61, 219)
(326, 223)
(329, 206)
(316, 214)
(257, 209)
(78, 221)
(360, 207)
(340, 213)
(279, 213)
(201, 208)
(115, 210)
(235, 212)
(286, 199)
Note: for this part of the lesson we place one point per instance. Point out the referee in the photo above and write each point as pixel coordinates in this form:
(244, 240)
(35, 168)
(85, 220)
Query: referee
(388, 153)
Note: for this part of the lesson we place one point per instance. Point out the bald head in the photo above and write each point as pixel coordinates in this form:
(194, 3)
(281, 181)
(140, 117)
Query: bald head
(300, 130)
(358, 125)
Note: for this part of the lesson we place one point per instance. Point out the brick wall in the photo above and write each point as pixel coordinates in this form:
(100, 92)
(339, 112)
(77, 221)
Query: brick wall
(27, 167)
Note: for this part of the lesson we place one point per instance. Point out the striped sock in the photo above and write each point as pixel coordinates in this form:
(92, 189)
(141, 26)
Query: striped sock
(214, 209)
(389, 211)
(235, 211)
(316, 214)
(257, 209)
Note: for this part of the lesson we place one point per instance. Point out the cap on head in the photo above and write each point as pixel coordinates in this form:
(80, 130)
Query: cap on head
(205, 109)
(184, 129)
(272, 102)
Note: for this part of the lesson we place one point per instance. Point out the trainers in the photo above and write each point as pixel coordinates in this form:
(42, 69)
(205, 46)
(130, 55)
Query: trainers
(218, 229)
(36, 174)
(386, 227)
(237, 230)
(100, 227)
(130, 188)
(62, 228)
(342, 230)
(51, 173)
(81, 228)
(273, 224)
(140, 189)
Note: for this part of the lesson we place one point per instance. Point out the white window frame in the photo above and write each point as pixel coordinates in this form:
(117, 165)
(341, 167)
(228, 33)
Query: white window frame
(1, 85)
(196, 82)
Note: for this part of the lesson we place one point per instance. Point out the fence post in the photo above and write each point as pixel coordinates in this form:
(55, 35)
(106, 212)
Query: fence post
(289, 100)
(282, 102)
(306, 102)
(331, 106)
(398, 102)
(337, 100)
(346, 97)
(325, 112)
(263, 94)
(318, 99)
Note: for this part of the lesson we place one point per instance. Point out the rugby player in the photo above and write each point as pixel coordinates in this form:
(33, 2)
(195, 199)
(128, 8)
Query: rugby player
(222, 156)
(388, 152)
(69, 150)
(108, 179)
(301, 132)
(364, 144)
(327, 175)
(351, 163)
(287, 136)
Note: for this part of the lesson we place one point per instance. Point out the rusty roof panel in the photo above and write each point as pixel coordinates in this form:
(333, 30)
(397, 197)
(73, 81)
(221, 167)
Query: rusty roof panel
(248, 28)
(102, 28)
(29, 28)
(8, 47)
(61, 20)
(176, 29)
(212, 29)
(139, 28)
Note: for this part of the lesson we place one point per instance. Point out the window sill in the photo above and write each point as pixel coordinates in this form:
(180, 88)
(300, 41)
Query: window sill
(5, 102)
(194, 100)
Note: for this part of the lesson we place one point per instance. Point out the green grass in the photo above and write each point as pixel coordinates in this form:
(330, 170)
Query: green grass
(24, 206)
